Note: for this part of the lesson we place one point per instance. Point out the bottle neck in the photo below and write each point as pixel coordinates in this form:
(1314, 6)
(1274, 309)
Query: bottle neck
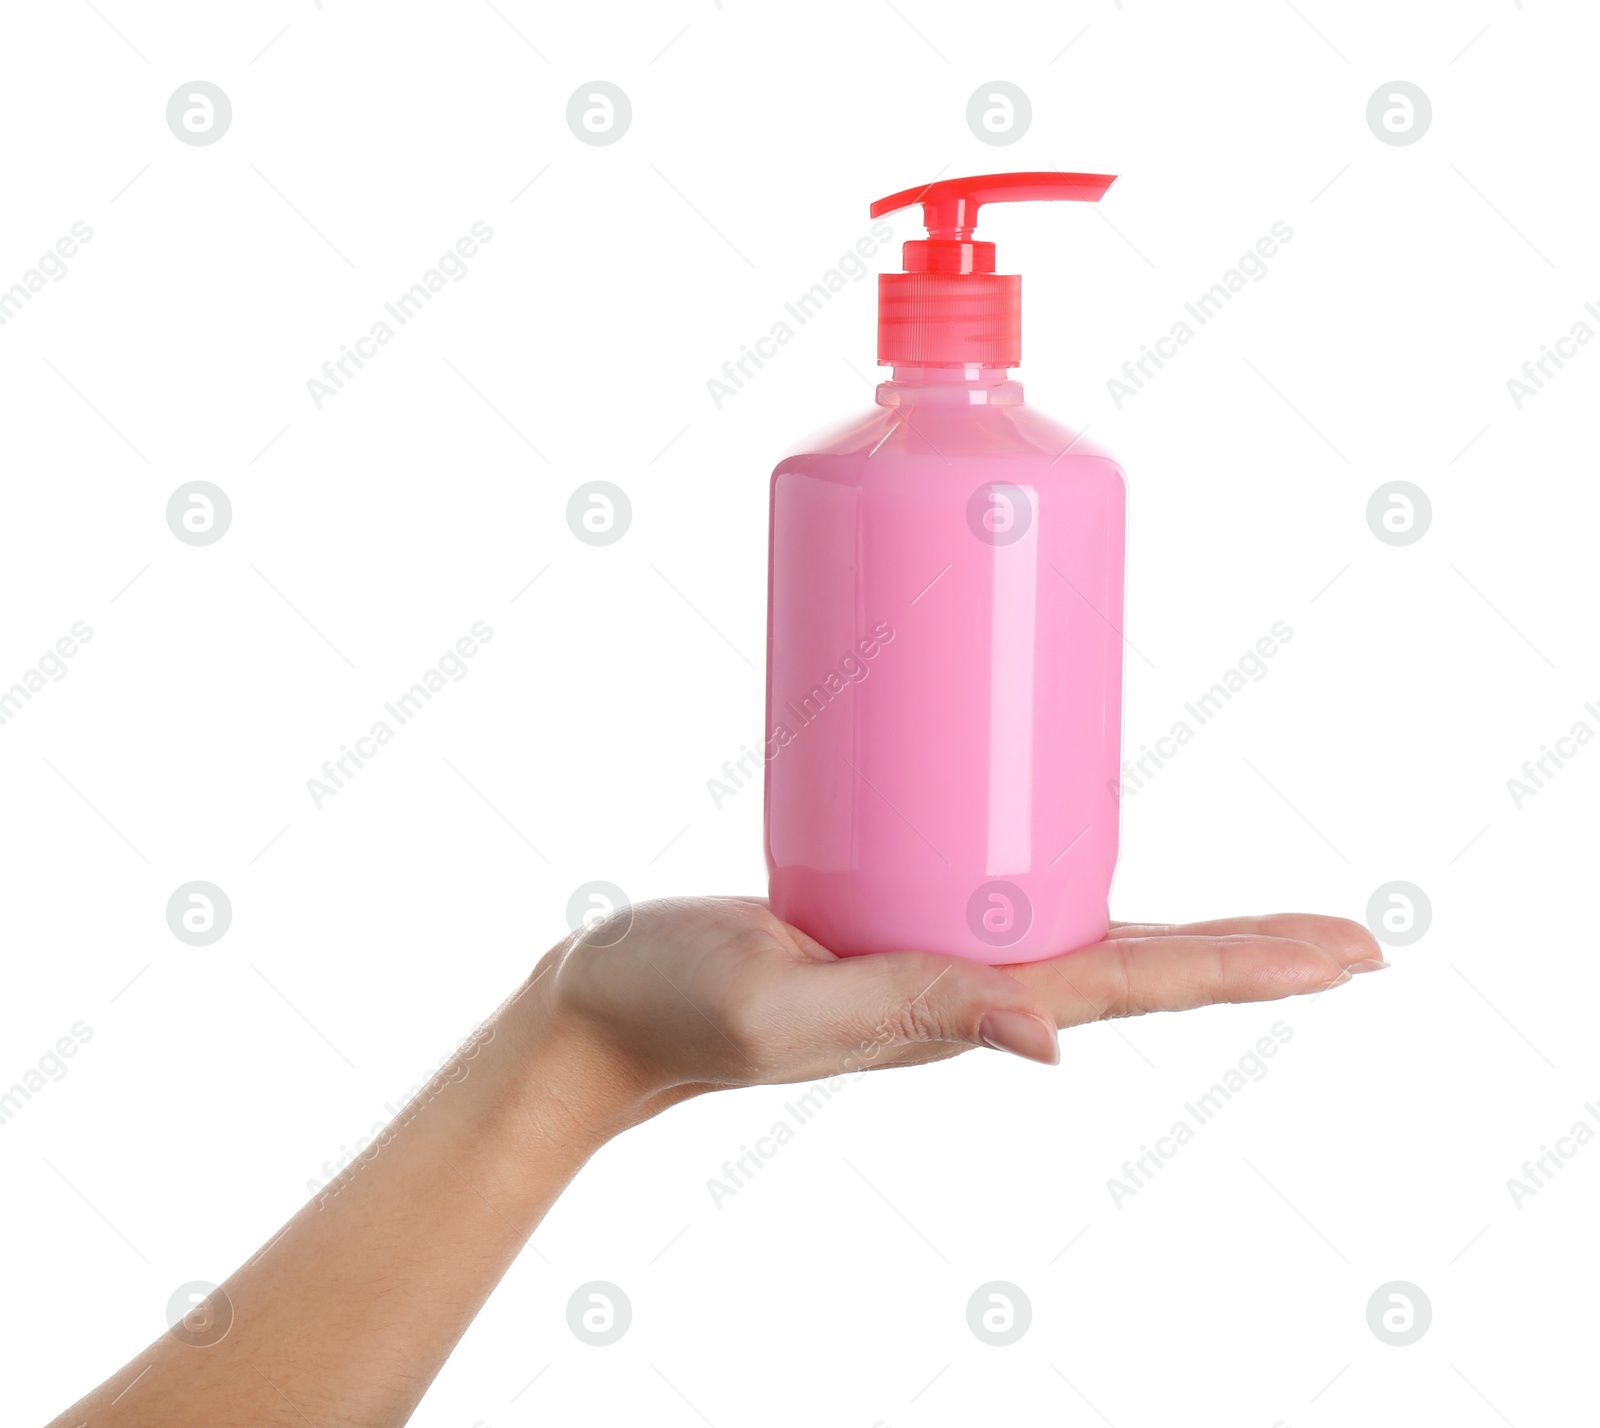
(972, 386)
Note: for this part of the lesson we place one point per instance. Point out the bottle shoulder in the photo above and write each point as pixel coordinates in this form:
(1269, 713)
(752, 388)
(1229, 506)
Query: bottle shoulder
(930, 430)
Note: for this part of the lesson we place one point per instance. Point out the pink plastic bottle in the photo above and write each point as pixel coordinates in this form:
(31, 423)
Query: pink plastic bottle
(944, 668)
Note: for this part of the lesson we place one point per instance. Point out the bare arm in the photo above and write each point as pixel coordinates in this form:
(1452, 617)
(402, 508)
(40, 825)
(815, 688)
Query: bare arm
(346, 1315)
(348, 1312)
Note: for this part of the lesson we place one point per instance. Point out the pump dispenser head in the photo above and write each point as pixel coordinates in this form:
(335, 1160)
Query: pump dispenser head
(949, 308)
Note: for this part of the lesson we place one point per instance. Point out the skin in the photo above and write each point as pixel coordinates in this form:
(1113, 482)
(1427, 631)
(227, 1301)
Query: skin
(346, 1315)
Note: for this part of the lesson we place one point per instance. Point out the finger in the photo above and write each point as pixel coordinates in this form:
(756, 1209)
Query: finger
(894, 1002)
(1130, 976)
(1349, 941)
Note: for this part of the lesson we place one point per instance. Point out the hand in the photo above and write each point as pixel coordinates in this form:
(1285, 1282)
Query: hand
(388, 1264)
(700, 993)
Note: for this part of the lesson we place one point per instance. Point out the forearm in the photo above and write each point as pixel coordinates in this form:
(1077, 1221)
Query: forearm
(346, 1315)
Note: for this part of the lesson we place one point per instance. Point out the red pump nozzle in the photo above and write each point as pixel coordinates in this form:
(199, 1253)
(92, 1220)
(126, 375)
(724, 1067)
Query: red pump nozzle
(949, 307)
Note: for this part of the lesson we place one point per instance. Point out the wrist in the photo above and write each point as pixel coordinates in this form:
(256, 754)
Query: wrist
(562, 1077)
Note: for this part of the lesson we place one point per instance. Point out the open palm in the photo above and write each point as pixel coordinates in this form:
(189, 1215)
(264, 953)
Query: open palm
(697, 993)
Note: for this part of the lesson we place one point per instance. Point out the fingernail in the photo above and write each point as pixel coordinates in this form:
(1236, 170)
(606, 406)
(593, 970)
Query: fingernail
(1339, 981)
(1021, 1035)
(1369, 964)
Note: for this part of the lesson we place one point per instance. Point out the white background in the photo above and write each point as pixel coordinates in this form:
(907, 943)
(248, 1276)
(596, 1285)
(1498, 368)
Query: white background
(367, 536)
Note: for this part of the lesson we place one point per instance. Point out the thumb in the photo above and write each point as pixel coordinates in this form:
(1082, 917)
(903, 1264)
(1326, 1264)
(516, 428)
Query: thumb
(892, 1002)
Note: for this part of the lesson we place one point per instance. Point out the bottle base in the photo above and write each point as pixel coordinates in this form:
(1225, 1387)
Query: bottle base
(998, 922)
